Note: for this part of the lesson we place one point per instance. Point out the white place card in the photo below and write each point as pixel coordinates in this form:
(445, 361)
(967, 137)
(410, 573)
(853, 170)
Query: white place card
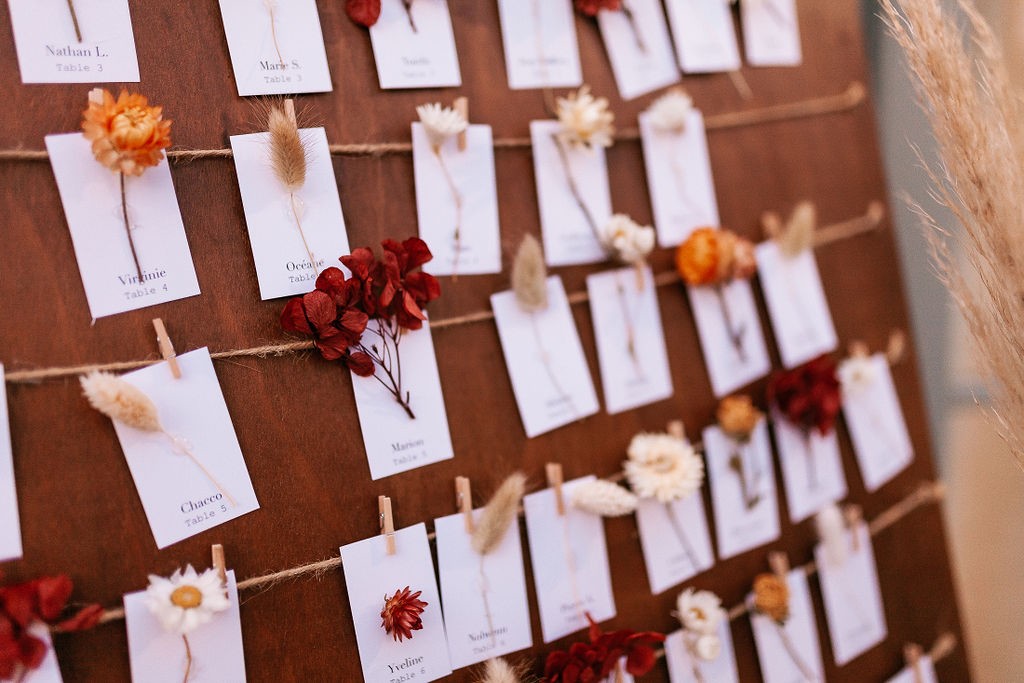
(812, 467)
(704, 35)
(639, 47)
(486, 611)
(158, 656)
(742, 490)
(541, 50)
(415, 48)
(771, 32)
(396, 442)
(878, 431)
(463, 233)
(925, 673)
(370, 574)
(630, 340)
(91, 195)
(681, 663)
(570, 569)
(680, 180)
(852, 597)
(800, 633)
(48, 670)
(283, 266)
(52, 50)
(722, 313)
(675, 540)
(549, 373)
(277, 47)
(10, 522)
(796, 304)
(568, 236)
(193, 477)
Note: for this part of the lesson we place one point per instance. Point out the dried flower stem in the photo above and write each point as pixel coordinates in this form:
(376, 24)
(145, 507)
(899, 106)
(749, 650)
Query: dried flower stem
(812, 465)
(389, 360)
(691, 653)
(74, 20)
(791, 650)
(545, 359)
(407, 4)
(563, 155)
(293, 202)
(684, 540)
(627, 319)
(570, 563)
(271, 6)
(128, 226)
(739, 82)
(484, 586)
(679, 173)
(183, 447)
(634, 27)
(542, 60)
(188, 658)
(737, 463)
(457, 200)
(735, 333)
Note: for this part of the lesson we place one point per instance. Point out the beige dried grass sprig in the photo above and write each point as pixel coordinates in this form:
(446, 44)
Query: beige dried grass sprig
(796, 235)
(499, 514)
(529, 276)
(289, 159)
(977, 121)
(604, 498)
(498, 670)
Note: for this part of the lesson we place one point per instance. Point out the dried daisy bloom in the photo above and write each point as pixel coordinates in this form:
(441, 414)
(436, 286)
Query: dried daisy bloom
(440, 123)
(700, 613)
(401, 614)
(738, 417)
(771, 597)
(663, 467)
(670, 111)
(604, 498)
(629, 241)
(586, 120)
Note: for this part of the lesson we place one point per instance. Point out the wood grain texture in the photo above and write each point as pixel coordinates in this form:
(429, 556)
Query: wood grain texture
(295, 416)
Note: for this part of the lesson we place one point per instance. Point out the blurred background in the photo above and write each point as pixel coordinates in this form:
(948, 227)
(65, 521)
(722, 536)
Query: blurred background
(985, 507)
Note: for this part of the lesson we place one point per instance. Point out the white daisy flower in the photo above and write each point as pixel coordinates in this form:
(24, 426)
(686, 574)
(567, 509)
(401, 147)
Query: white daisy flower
(186, 600)
(627, 239)
(586, 120)
(708, 647)
(440, 123)
(700, 612)
(664, 467)
(670, 111)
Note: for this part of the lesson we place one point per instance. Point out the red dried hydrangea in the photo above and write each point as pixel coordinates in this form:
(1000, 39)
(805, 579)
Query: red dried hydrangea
(363, 12)
(808, 395)
(593, 661)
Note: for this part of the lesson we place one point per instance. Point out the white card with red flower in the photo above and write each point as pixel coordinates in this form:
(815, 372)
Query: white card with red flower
(871, 409)
(10, 528)
(704, 35)
(371, 574)
(457, 202)
(541, 50)
(91, 194)
(852, 596)
(398, 440)
(570, 563)
(675, 539)
(771, 32)
(798, 636)
(193, 477)
(281, 225)
(812, 467)
(923, 672)
(62, 41)
(639, 47)
(158, 656)
(550, 376)
(743, 490)
(414, 46)
(569, 238)
(731, 337)
(48, 670)
(680, 179)
(486, 610)
(630, 340)
(796, 304)
(681, 662)
(276, 46)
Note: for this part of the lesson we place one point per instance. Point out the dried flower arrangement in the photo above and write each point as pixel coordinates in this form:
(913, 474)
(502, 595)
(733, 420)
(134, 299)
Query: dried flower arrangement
(441, 124)
(701, 614)
(738, 418)
(595, 660)
(401, 614)
(289, 159)
(771, 599)
(590, 8)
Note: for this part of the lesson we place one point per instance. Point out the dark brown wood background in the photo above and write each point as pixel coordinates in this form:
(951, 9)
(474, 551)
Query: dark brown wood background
(295, 416)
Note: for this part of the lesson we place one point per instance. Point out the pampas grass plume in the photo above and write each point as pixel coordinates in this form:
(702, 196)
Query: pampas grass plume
(288, 153)
(497, 670)
(529, 276)
(604, 498)
(831, 528)
(121, 401)
(499, 514)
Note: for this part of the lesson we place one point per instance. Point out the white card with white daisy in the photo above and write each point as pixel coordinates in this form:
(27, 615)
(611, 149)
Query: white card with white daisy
(791, 651)
(682, 660)
(704, 35)
(541, 50)
(639, 47)
(812, 467)
(10, 528)
(771, 32)
(414, 46)
(185, 627)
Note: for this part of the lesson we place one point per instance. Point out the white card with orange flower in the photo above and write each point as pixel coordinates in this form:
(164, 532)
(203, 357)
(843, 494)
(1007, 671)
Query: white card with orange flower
(281, 224)
(541, 49)
(91, 195)
(571, 573)
(376, 584)
(73, 41)
(812, 467)
(414, 46)
(159, 656)
(276, 46)
(681, 662)
(923, 672)
(704, 35)
(10, 528)
(639, 47)
(790, 652)
(675, 540)
(771, 32)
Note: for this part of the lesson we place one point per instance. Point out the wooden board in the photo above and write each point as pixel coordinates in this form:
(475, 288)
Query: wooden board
(295, 415)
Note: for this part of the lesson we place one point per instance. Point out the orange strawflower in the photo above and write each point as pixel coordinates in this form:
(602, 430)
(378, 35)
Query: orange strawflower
(738, 417)
(697, 258)
(128, 136)
(771, 597)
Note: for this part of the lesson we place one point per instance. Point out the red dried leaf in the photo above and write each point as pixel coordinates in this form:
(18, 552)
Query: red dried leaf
(31, 651)
(293, 317)
(363, 12)
(83, 620)
(53, 593)
(359, 363)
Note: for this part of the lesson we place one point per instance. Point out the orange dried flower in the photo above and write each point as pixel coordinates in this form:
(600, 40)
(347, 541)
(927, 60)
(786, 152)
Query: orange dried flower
(127, 135)
(771, 597)
(738, 417)
(401, 614)
(697, 257)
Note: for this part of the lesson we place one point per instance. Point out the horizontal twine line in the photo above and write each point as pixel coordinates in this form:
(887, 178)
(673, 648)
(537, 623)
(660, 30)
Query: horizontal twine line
(854, 95)
(869, 221)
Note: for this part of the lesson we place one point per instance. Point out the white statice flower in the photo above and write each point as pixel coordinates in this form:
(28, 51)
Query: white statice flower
(604, 498)
(627, 239)
(856, 374)
(700, 612)
(186, 600)
(586, 120)
(440, 123)
(708, 647)
(670, 111)
(664, 467)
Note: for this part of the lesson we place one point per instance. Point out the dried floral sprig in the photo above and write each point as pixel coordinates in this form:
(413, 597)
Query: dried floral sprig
(365, 13)
(796, 235)
(594, 660)
(407, 6)
(771, 599)
(128, 136)
(39, 601)
(627, 240)
(604, 498)
(271, 6)
(738, 418)
(499, 514)
(401, 614)
(74, 20)
(289, 159)
(498, 670)
(808, 396)
(590, 8)
(669, 115)
(831, 528)
(441, 124)
(123, 402)
(700, 613)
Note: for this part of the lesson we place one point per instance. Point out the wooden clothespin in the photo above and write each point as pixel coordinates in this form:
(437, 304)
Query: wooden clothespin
(387, 523)
(166, 347)
(461, 105)
(555, 480)
(464, 501)
(220, 564)
(858, 348)
(96, 96)
(897, 348)
(854, 515)
(912, 654)
(771, 224)
(289, 111)
(779, 563)
(677, 429)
